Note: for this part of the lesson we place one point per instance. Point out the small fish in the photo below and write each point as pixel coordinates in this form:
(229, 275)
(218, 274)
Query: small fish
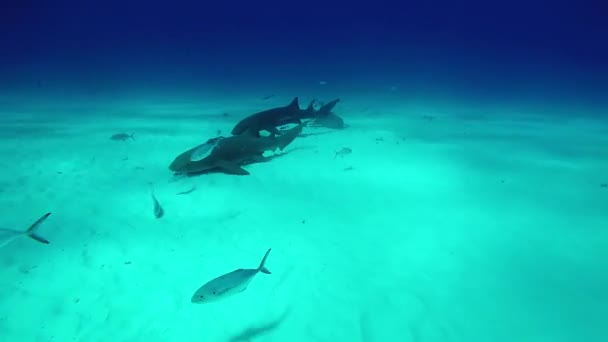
(268, 97)
(8, 235)
(202, 151)
(187, 191)
(228, 284)
(343, 152)
(158, 209)
(122, 136)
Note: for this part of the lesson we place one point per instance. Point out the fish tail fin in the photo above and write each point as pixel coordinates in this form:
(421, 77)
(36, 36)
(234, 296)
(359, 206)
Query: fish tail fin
(131, 136)
(326, 108)
(263, 268)
(31, 231)
(336, 155)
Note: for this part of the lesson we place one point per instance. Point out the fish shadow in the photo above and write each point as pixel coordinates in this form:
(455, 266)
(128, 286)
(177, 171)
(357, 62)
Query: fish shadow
(255, 331)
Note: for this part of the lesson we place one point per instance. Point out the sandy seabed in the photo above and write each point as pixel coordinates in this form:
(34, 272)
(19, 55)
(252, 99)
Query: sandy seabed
(440, 226)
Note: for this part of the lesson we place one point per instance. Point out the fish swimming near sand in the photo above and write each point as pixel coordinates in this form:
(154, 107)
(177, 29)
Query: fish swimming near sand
(228, 284)
(329, 121)
(185, 192)
(158, 209)
(202, 151)
(231, 153)
(343, 152)
(9, 235)
(268, 120)
(122, 136)
(324, 117)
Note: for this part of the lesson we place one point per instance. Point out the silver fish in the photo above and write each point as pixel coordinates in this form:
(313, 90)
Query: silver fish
(228, 284)
(204, 150)
(122, 136)
(158, 209)
(8, 235)
(344, 151)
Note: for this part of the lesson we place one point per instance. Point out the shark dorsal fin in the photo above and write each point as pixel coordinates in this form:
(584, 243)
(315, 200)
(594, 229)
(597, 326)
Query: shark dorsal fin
(311, 106)
(294, 104)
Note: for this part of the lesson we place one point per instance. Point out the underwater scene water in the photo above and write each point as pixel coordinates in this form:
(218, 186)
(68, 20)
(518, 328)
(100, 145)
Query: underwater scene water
(303, 171)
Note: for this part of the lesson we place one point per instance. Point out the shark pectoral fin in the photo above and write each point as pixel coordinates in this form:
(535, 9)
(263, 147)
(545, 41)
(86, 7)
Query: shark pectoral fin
(289, 136)
(232, 168)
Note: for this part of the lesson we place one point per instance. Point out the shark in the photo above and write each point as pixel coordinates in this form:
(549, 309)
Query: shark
(324, 117)
(269, 120)
(231, 153)
(9, 235)
(328, 121)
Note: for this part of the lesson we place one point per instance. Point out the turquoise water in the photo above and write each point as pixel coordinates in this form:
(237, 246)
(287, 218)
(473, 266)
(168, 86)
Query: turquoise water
(465, 200)
(447, 222)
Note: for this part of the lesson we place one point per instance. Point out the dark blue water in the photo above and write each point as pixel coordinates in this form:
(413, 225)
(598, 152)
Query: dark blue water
(521, 50)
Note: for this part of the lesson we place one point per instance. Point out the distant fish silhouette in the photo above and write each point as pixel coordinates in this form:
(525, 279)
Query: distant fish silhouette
(122, 136)
(187, 191)
(8, 235)
(343, 152)
(158, 209)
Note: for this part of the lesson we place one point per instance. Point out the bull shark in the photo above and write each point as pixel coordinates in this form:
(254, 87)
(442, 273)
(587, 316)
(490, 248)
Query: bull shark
(9, 235)
(232, 152)
(270, 119)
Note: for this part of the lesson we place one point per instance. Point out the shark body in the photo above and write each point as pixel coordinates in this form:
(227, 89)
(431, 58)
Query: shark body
(270, 119)
(231, 153)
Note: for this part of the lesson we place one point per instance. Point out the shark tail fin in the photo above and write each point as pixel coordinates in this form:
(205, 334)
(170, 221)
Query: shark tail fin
(327, 108)
(31, 231)
(263, 268)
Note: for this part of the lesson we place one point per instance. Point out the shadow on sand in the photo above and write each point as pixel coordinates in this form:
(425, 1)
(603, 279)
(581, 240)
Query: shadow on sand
(259, 330)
